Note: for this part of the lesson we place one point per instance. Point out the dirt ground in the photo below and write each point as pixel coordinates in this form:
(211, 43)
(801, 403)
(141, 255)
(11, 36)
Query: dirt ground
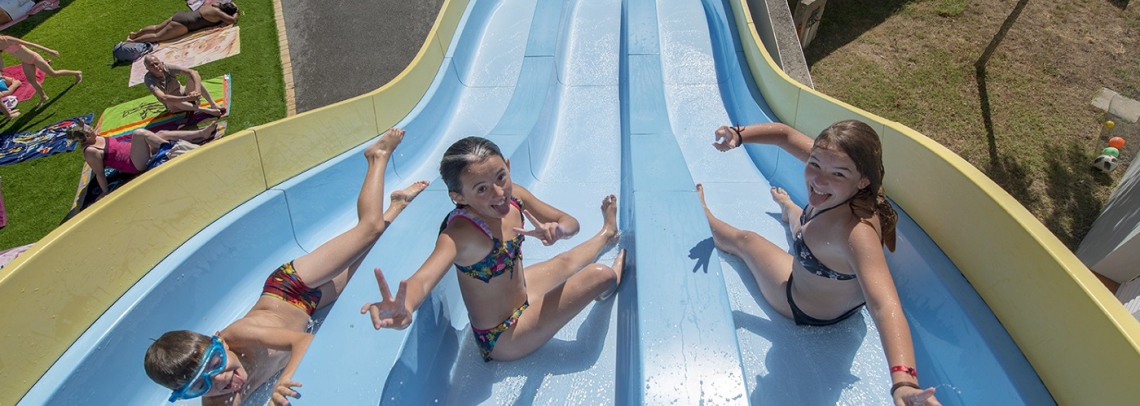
(1027, 122)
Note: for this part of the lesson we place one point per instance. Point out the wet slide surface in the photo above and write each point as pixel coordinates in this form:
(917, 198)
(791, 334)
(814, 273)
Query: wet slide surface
(586, 98)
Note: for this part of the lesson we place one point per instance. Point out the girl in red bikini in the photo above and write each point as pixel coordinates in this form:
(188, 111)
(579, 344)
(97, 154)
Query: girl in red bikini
(272, 337)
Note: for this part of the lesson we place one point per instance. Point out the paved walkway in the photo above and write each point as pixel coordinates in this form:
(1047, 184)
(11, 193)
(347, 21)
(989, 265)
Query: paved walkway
(342, 49)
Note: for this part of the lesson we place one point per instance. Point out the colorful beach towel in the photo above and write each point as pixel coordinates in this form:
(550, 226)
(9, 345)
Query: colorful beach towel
(3, 212)
(25, 91)
(148, 113)
(34, 8)
(193, 51)
(10, 254)
(197, 4)
(52, 139)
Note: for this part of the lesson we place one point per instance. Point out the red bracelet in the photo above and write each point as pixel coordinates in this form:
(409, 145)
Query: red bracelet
(908, 370)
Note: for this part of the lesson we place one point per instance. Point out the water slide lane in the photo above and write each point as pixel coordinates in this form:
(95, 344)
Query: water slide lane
(960, 346)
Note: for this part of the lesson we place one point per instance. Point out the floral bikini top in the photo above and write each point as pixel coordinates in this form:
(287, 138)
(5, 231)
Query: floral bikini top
(503, 255)
(804, 255)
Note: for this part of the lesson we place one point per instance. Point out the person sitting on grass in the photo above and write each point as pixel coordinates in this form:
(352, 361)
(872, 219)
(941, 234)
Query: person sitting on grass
(226, 367)
(162, 80)
(185, 22)
(128, 154)
(8, 86)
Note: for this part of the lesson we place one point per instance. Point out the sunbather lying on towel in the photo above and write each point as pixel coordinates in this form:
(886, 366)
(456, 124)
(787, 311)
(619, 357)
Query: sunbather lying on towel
(185, 22)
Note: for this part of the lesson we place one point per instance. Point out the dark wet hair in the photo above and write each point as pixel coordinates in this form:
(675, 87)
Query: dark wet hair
(461, 154)
(228, 8)
(860, 142)
(172, 358)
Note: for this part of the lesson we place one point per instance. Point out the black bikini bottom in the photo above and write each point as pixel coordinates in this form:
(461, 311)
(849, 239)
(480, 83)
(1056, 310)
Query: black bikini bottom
(802, 319)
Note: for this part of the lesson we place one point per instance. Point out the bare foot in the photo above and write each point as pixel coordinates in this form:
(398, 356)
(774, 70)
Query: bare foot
(78, 77)
(405, 195)
(618, 267)
(401, 199)
(788, 209)
(387, 143)
(43, 99)
(609, 222)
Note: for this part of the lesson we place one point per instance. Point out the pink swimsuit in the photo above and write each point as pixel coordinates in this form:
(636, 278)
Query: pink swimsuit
(117, 155)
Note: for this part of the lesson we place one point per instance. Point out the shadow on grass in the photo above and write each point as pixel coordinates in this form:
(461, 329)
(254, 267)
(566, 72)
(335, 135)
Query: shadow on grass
(1075, 208)
(1004, 169)
(844, 21)
(22, 28)
(1121, 4)
(25, 121)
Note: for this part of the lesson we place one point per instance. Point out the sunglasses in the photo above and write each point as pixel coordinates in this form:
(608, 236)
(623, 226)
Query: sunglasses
(213, 362)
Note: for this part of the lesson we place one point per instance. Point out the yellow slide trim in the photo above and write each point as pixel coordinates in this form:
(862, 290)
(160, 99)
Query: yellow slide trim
(60, 286)
(1076, 334)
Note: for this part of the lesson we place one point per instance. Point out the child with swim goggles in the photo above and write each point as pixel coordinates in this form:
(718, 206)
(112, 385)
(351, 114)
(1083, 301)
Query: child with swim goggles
(272, 337)
(838, 263)
(482, 239)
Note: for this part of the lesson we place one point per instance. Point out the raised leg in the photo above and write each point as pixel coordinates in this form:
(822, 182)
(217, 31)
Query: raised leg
(335, 256)
(400, 199)
(769, 264)
(789, 212)
(558, 289)
(548, 313)
(201, 88)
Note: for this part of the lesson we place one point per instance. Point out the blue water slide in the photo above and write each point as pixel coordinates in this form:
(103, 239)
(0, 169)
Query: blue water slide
(586, 98)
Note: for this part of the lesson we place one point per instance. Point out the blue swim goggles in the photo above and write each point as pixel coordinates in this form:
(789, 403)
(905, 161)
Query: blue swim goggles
(213, 362)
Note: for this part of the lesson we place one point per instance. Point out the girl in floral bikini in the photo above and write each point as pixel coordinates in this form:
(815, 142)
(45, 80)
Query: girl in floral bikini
(482, 237)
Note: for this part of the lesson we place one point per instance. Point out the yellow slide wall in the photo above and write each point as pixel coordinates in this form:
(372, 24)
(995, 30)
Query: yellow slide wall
(1080, 340)
(1076, 334)
(59, 287)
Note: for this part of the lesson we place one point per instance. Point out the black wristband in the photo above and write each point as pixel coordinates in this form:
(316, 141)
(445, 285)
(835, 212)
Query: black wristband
(898, 385)
(739, 136)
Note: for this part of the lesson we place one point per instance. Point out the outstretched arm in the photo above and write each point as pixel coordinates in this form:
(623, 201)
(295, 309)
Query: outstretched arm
(34, 45)
(94, 159)
(396, 312)
(550, 224)
(886, 311)
(779, 134)
(243, 334)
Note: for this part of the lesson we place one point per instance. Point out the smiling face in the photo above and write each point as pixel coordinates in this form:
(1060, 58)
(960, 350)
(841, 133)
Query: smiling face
(485, 187)
(231, 379)
(831, 177)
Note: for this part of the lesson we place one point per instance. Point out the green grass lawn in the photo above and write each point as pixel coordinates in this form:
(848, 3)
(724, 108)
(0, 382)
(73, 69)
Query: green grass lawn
(38, 193)
(1028, 124)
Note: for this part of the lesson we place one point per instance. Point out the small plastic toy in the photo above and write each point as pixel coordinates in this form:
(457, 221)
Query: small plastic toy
(1105, 163)
(1109, 124)
(1116, 142)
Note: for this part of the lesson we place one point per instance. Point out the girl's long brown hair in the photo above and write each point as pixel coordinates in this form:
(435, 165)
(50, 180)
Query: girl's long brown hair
(860, 142)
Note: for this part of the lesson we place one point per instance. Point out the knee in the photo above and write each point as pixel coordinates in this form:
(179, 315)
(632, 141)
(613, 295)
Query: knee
(601, 274)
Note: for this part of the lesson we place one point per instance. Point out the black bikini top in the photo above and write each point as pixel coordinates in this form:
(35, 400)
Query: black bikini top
(804, 255)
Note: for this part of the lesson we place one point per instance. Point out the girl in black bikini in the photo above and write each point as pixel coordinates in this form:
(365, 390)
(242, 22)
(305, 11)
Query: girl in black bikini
(846, 223)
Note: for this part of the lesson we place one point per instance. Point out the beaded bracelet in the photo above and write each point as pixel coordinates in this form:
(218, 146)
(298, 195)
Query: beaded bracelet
(908, 370)
(898, 385)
